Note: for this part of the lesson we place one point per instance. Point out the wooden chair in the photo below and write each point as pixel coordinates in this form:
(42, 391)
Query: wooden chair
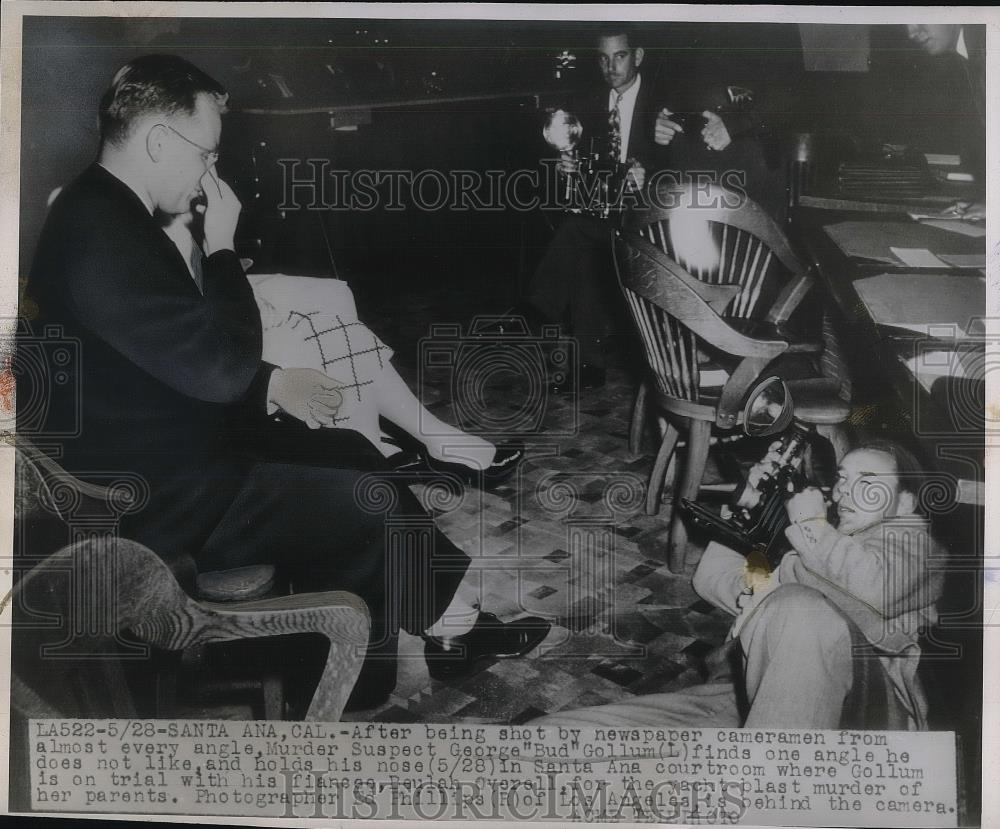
(748, 248)
(700, 366)
(745, 248)
(85, 609)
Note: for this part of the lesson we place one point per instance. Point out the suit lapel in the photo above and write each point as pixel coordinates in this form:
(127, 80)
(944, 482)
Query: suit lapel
(640, 132)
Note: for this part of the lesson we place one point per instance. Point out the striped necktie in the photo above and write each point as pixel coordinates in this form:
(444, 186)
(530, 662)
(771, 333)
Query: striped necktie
(615, 129)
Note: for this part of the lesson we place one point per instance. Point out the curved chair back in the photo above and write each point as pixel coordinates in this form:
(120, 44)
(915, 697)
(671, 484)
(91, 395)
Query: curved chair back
(723, 238)
(682, 331)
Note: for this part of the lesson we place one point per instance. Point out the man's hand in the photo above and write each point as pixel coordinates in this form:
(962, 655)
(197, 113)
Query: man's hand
(222, 212)
(568, 163)
(766, 465)
(306, 394)
(808, 505)
(635, 179)
(715, 133)
(966, 211)
(665, 128)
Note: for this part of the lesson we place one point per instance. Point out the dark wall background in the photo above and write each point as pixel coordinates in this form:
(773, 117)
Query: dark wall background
(67, 62)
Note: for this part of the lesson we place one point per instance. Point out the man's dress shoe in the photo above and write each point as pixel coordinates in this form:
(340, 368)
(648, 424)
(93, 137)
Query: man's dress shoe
(449, 657)
(423, 467)
(363, 699)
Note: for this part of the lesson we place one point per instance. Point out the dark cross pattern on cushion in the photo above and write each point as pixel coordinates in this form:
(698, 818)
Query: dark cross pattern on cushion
(349, 341)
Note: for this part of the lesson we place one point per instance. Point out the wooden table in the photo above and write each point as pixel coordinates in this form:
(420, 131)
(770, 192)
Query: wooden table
(941, 417)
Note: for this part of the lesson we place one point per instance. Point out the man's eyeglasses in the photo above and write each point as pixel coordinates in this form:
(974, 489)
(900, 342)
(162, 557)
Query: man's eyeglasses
(207, 155)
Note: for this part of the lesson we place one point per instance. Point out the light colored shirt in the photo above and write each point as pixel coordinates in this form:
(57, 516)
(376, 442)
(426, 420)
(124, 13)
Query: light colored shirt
(960, 47)
(626, 108)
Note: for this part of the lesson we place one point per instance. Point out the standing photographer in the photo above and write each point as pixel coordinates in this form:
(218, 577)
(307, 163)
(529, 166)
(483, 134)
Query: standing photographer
(574, 282)
(725, 103)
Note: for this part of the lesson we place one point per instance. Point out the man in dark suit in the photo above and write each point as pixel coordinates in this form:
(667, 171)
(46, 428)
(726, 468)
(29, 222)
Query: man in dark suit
(165, 361)
(727, 96)
(574, 282)
(966, 46)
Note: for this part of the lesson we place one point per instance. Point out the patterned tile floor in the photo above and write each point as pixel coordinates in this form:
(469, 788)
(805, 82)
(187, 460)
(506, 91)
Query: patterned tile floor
(567, 538)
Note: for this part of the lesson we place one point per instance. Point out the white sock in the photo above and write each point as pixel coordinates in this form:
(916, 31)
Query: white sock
(459, 618)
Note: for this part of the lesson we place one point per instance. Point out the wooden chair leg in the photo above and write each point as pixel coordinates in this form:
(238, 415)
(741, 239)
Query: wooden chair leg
(273, 690)
(694, 471)
(638, 423)
(167, 666)
(670, 478)
(677, 546)
(654, 492)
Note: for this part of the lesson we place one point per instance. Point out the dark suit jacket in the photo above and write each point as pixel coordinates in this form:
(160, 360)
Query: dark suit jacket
(975, 66)
(159, 368)
(974, 139)
(592, 110)
(749, 76)
(158, 361)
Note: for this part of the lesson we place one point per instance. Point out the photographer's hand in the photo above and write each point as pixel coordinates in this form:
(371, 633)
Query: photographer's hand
(635, 179)
(966, 211)
(715, 134)
(665, 128)
(808, 505)
(568, 164)
(766, 465)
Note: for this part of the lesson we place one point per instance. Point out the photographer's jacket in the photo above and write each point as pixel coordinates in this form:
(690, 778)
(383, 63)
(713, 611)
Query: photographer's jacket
(592, 109)
(880, 578)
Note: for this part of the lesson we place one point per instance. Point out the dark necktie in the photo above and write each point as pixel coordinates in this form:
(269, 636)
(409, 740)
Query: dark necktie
(615, 129)
(197, 269)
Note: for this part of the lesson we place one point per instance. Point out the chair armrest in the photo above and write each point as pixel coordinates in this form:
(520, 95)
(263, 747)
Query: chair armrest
(790, 297)
(339, 616)
(52, 472)
(771, 330)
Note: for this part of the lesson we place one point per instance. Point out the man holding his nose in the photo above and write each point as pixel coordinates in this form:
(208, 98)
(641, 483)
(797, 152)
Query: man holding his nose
(166, 361)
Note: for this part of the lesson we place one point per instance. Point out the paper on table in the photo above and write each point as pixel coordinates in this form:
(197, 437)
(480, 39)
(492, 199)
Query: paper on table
(871, 240)
(922, 302)
(943, 159)
(918, 258)
(965, 260)
(929, 366)
(957, 226)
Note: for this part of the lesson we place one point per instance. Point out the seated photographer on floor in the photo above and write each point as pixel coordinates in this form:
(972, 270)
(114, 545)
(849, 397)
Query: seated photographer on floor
(830, 638)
